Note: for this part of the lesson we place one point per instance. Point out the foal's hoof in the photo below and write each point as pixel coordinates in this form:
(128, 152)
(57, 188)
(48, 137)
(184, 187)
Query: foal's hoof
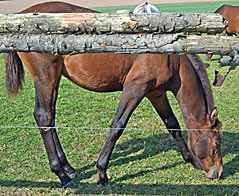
(70, 184)
(74, 175)
(103, 181)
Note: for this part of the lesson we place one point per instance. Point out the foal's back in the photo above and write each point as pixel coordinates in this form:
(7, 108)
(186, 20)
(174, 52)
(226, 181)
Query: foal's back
(57, 7)
(107, 72)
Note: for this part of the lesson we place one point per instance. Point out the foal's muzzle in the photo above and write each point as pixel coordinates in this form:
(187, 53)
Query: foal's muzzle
(214, 173)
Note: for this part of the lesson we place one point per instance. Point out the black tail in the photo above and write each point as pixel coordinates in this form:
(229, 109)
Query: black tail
(14, 73)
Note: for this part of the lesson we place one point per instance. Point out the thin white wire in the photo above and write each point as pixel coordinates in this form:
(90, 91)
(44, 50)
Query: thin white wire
(107, 128)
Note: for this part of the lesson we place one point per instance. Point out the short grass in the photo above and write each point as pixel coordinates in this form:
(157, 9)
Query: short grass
(144, 162)
(193, 7)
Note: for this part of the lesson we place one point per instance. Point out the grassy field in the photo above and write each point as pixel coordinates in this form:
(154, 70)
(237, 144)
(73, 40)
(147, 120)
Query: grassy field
(145, 160)
(194, 7)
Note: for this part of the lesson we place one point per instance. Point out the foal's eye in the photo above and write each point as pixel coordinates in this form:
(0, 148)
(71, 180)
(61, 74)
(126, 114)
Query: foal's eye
(214, 152)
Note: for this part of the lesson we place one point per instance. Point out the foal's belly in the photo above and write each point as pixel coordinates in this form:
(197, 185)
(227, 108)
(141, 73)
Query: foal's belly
(97, 72)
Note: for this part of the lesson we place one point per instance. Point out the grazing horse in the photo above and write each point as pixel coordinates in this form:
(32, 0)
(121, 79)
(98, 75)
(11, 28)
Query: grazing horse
(137, 76)
(231, 14)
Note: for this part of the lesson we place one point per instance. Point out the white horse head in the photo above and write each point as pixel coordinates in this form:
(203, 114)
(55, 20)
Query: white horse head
(145, 8)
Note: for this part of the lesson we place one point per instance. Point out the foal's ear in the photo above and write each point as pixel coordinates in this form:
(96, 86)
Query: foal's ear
(213, 115)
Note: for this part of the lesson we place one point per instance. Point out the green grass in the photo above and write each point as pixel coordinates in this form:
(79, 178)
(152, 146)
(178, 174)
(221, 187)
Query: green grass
(193, 7)
(144, 162)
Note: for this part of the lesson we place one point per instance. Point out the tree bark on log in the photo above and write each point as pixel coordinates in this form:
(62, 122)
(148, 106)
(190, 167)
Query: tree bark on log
(59, 44)
(101, 23)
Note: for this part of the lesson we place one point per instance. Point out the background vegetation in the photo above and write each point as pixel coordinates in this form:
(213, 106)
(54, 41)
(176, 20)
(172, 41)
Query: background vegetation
(145, 160)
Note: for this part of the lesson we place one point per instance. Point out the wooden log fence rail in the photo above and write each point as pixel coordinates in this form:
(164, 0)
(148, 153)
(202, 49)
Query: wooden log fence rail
(71, 33)
(118, 43)
(102, 23)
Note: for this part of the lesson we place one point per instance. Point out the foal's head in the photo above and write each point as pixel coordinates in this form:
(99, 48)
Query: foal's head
(206, 146)
(201, 115)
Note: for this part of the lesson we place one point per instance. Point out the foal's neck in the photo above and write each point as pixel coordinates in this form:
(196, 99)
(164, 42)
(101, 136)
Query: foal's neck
(191, 96)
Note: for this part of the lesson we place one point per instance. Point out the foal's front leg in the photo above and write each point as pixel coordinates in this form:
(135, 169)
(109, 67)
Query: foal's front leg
(130, 99)
(164, 110)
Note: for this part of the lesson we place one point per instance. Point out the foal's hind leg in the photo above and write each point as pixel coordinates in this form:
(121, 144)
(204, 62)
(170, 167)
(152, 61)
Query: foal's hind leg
(70, 171)
(130, 99)
(46, 72)
(44, 116)
(64, 162)
(163, 108)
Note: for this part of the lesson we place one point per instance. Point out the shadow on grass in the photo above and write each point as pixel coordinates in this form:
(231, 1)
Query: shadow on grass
(133, 189)
(157, 144)
(148, 146)
(158, 189)
(123, 153)
(28, 183)
(230, 145)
